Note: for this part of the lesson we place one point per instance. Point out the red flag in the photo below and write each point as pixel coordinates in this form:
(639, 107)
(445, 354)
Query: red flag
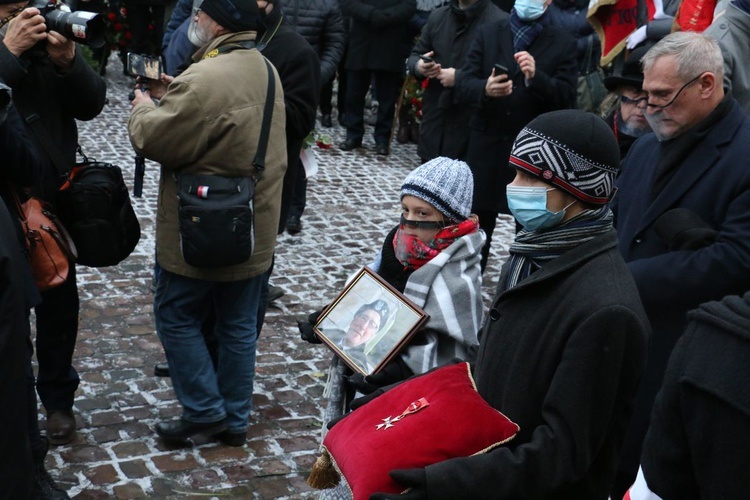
(613, 21)
(695, 15)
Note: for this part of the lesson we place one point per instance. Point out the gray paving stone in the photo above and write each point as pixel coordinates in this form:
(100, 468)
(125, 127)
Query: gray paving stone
(352, 204)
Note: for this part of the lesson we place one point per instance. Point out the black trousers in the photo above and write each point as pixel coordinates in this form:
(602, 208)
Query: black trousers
(299, 198)
(326, 91)
(389, 85)
(56, 332)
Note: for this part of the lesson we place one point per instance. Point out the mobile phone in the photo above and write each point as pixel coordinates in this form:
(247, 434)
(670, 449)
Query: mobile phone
(501, 70)
(427, 59)
(145, 66)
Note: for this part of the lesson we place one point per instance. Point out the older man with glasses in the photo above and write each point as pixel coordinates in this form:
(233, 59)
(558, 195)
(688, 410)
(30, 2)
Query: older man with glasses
(626, 114)
(683, 208)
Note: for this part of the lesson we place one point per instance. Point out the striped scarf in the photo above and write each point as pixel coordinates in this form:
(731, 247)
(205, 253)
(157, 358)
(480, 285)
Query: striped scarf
(533, 249)
(524, 32)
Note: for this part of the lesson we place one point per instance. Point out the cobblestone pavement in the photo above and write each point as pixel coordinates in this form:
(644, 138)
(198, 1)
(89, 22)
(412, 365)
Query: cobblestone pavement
(352, 203)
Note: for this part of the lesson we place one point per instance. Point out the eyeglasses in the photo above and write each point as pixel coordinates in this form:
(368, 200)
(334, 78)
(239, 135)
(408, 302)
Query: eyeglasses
(633, 102)
(368, 322)
(662, 106)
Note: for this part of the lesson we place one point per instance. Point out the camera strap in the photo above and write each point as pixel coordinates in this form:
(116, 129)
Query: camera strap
(53, 152)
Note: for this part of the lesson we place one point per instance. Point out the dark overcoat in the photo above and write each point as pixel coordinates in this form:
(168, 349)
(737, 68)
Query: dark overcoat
(449, 31)
(698, 444)
(560, 355)
(379, 37)
(496, 122)
(714, 183)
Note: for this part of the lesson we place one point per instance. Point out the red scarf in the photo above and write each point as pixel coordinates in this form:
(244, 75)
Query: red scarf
(413, 253)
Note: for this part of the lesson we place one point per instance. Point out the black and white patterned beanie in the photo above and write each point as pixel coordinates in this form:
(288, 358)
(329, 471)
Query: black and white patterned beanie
(570, 149)
(446, 184)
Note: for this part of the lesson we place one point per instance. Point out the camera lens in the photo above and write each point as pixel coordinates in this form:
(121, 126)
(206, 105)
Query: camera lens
(83, 27)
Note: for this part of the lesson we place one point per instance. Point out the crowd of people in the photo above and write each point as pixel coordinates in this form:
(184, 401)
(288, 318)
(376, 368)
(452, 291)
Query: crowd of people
(616, 335)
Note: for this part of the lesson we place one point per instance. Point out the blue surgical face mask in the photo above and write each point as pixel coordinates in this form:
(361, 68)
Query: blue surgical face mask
(529, 10)
(529, 206)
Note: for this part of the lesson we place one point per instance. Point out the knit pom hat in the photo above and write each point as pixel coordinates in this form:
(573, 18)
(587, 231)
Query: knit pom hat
(570, 149)
(234, 15)
(446, 184)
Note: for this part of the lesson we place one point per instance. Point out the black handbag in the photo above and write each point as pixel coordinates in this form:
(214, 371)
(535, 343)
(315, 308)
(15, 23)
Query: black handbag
(216, 213)
(94, 205)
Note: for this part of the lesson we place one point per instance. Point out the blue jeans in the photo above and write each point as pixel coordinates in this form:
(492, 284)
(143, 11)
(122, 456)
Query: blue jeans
(180, 306)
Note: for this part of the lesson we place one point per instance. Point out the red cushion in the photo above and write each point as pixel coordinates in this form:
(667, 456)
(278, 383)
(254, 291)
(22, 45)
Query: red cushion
(456, 422)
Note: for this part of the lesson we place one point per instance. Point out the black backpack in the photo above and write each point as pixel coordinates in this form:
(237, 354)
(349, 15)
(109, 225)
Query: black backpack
(94, 206)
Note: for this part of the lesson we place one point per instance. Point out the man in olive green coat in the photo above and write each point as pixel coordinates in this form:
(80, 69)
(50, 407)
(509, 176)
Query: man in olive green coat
(208, 122)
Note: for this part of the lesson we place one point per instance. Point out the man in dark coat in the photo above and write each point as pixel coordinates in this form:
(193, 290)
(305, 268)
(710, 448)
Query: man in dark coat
(445, 38)
(683, 207)
(319, 21)
(53, 81)
(378, 45)
(698, 444)
(565, 342)
(541, 76)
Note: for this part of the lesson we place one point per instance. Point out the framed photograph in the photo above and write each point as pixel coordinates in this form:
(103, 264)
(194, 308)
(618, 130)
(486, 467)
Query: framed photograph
(369, 323)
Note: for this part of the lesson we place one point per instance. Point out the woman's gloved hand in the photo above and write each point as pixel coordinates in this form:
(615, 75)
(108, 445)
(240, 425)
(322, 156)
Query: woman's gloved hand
(395, 371)
(306, 331)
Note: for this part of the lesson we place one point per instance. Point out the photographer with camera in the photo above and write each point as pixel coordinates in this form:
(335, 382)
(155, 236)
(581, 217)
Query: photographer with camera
(53, 86)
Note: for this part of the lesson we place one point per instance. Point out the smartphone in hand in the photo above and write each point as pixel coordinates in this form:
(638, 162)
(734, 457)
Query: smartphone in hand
(144, 66)
(427, 59)
(501, 70)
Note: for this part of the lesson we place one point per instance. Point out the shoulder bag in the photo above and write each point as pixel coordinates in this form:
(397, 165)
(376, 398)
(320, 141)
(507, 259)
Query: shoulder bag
(50, 249)
(216, 213)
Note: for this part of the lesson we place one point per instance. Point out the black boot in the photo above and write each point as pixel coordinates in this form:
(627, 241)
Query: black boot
(404, 125)
(44, 486)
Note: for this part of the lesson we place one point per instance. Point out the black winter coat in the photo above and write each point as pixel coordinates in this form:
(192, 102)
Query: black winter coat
(496, 122)
(449, 30)
(570, 16)
(698, 444)
(16, 466)
(58, 99)
(561, 355)
(320, 22)
(379, 34)
(299, 71)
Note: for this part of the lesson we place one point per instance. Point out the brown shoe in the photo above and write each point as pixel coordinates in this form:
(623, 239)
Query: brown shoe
(61, 426)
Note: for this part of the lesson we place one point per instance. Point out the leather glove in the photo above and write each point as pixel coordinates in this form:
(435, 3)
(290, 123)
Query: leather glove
(306, 331)
(416, 479)
(395, 371)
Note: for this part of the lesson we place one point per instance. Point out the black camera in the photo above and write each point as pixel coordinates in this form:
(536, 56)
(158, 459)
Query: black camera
(87, 28)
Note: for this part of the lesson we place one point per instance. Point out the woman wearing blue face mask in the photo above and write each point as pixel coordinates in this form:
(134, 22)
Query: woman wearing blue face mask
(564, 344)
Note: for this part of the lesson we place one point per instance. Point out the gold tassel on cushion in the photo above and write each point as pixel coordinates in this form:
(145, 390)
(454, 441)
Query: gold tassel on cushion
(323, 475)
